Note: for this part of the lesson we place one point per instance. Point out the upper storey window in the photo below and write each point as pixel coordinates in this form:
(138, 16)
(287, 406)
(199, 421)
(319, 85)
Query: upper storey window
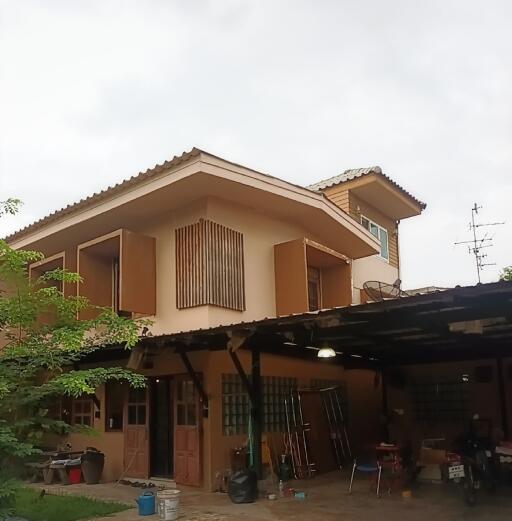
(380, 233)
(314, 289)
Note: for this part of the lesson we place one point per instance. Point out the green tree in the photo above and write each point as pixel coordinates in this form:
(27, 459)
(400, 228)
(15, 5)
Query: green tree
(9, 206)
(39, 359)
(506, 274)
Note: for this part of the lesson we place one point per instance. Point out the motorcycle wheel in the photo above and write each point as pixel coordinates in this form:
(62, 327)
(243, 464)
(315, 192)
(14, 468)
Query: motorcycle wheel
(468, 487)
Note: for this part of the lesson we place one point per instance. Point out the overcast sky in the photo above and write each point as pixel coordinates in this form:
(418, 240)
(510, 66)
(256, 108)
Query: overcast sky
(92, 92)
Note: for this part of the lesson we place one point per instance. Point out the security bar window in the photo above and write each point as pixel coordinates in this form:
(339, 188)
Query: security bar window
(275, 390)
(441, 401)
(236, 405)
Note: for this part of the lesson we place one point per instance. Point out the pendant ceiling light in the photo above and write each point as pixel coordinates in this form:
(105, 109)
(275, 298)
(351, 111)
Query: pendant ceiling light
(326, 352)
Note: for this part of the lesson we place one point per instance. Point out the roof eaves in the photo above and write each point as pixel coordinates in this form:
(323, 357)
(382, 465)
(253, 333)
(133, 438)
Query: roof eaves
(103, 194)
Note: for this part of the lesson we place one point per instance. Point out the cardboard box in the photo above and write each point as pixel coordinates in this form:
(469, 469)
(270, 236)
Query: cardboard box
(432, 456)
(432, 452)
(430, 474)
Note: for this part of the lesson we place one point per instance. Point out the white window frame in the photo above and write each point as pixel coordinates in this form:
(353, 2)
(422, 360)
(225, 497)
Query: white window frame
(380, 229)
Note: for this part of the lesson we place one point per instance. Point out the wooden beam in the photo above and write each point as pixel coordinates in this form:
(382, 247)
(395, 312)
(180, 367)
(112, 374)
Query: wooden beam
(503, 397)
(385, 408)
(327, 250)
(243, 376)
(197, 382)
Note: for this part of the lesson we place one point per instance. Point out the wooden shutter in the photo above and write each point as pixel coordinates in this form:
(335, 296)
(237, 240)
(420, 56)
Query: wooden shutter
(337, 285)
(137, 273)
(209, 266)
(291, 277)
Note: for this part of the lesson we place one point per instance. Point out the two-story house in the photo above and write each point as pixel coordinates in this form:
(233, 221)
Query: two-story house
(199, 242)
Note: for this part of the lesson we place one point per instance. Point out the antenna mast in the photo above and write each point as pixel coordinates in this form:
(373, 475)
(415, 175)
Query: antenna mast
(478, 243)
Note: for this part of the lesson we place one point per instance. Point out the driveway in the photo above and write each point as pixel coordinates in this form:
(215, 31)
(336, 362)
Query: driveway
(326, 500)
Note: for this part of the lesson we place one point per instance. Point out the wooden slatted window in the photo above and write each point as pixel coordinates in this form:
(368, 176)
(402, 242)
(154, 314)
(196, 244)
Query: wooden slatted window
(209, 266)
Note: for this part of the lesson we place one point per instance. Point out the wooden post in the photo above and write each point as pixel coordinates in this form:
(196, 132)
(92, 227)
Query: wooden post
(253, 388)
(503, 397)
(196, 381)
(256, 410)
(385, 409)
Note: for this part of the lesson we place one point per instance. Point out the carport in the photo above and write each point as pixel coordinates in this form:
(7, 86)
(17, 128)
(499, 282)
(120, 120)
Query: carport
(456, 325)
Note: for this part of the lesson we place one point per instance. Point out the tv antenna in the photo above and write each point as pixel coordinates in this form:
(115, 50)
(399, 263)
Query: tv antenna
(477, 244)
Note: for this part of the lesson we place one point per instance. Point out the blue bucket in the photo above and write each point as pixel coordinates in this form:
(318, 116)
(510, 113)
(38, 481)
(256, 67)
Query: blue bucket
(146, 504)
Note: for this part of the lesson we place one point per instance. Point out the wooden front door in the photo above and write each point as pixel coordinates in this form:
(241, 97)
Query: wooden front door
(187, 433)
(136, 439)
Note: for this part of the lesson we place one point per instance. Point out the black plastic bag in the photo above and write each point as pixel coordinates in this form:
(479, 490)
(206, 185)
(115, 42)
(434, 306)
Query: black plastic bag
(243, 486)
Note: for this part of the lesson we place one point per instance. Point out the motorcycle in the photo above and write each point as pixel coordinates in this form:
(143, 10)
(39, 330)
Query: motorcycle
(471, 464)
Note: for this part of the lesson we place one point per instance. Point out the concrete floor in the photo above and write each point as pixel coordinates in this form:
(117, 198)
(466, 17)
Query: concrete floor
(327, 500)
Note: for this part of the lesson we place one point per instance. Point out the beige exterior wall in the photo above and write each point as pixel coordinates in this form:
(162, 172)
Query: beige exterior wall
(267, 212)
(371, 268)
(260, 234)
(364, 402)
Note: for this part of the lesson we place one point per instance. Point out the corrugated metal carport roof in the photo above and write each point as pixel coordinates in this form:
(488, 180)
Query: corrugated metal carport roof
(458, 324)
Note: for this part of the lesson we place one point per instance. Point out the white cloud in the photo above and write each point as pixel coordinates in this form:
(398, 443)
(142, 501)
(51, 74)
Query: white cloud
(93, 92)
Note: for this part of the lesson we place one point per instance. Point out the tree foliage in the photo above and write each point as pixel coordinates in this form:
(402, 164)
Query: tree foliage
(506, 274)
(40, 359)
(9, 206)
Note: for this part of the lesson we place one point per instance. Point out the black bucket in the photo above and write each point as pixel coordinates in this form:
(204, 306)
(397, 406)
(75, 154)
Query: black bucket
(92, 465)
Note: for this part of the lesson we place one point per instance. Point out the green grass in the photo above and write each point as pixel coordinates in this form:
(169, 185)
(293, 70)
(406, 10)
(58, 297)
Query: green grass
(61, 508)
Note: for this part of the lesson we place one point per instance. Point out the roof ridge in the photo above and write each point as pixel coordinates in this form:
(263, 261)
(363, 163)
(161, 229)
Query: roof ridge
(354, 173)
(335, 179)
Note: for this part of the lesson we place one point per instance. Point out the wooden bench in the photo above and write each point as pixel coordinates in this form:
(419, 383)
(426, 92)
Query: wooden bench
(38, 469)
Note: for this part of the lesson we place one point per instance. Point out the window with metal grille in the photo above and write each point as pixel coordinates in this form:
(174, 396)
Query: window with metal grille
(236, 405)
(275, 390)
(440, 401)
(319, 383)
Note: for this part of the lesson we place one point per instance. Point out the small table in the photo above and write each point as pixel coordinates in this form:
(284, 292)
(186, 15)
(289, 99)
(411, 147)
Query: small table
(388, 456)
(52, 467)
(61, 454)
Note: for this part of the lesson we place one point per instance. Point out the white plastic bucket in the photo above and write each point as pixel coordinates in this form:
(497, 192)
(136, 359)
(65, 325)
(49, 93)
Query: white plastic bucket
(168, 502)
